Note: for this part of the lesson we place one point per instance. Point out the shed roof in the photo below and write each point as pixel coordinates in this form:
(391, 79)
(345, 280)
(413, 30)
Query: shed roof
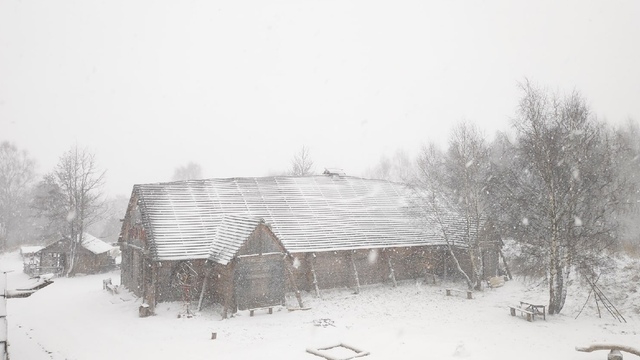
(232, 232)
(89, 242)
(190, 219)
(30, 249)
(94, 244)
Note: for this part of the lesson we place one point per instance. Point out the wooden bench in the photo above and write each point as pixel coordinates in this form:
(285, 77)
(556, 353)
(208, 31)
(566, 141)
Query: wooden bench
(264, 308)
(495, 282)
(106, 282)
(107, 285)
(469, 292)
(113, 289)
(535, 309)
(523, 311)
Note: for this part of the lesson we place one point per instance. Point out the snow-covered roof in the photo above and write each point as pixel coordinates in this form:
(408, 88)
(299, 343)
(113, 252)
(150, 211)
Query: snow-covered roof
(307, 214)
(94, 244)
(232, 232)
(30, 249)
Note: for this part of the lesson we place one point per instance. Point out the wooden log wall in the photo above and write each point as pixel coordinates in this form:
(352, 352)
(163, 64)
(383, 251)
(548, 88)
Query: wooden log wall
(335, 269)
(370, 267)
(133, 246)
(90, 263)
(166, 284)
(131, 274)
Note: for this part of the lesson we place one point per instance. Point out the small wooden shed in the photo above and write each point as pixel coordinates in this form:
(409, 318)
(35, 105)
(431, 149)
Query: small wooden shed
(93, 256)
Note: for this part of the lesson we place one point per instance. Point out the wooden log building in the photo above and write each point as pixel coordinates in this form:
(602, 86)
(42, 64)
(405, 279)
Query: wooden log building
(245, 242)
(93, 256)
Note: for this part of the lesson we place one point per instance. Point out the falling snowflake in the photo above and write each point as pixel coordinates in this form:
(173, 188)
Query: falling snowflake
(373, 256)
(578, 221)
(71, 215)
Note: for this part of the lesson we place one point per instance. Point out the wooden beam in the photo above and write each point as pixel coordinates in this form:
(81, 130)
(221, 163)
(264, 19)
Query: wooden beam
(444, 265)
(153, 268)
(429, 268)
(392, 273)
(355, 271)
(144, 251)
(292, 278)
(313, 272)
(595, 347)
(204, 287)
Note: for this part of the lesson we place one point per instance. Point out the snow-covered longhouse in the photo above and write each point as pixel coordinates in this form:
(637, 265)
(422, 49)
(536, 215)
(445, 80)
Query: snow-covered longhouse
(245, 242)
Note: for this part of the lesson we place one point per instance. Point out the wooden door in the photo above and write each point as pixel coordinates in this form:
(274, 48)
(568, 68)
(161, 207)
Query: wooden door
(259, 281)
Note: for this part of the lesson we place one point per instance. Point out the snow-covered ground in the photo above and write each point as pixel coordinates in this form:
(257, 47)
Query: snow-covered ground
(75, 318)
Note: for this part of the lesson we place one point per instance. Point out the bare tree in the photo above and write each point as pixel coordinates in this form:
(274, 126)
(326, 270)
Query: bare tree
(399, 168)
(191, 171)
(16, 178)
(301, 164)
(108, 228)
(73, 191)
(468, 173)
(431, 206)
(568, 187)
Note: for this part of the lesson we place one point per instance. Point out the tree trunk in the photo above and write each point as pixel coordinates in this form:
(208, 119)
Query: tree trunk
(557, 291)
(477, 270)
(455, 260)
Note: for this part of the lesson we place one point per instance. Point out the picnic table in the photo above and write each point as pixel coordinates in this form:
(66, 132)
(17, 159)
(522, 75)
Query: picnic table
(535, 309)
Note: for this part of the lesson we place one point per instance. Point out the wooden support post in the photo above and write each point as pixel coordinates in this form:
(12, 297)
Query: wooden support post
(504, 261)
(392, 273)
(429, 260)
(292, 279)
(204, 287)
(227, 304)
(444, 265)
(355, 272)
(313, 273)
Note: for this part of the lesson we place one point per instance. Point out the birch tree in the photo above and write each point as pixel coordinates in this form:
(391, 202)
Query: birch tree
(431, 206)
(467, 171)
(569, 188)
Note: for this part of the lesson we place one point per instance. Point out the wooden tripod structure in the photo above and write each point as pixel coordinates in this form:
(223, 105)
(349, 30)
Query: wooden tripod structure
(601, 298)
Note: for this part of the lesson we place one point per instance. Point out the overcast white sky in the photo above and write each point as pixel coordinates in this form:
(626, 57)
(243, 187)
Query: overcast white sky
(240, 86)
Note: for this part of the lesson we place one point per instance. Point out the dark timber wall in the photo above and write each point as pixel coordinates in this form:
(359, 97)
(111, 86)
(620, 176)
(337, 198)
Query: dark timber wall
(58, 256)
(335, 269)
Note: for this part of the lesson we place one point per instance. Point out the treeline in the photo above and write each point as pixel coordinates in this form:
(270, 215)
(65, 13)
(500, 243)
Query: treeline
(563, 186)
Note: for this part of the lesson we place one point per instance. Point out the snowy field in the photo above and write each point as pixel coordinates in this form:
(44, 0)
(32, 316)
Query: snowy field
(75, 318)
